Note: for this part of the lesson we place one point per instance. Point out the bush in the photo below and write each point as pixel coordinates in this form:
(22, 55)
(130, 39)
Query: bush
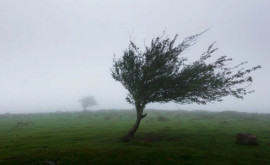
(162, 118)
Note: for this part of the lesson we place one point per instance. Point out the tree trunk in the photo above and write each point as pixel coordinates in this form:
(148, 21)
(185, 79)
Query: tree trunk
(130, 135)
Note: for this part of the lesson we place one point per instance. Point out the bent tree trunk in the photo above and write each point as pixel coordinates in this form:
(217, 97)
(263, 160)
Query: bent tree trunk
(130, 135)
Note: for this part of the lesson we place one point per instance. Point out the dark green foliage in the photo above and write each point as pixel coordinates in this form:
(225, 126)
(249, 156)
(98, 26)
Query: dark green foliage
(162, 118)
(161, 74)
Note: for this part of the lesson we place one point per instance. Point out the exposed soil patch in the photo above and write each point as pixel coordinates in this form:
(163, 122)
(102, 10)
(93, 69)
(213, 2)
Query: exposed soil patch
(156, 137)
(246, 139)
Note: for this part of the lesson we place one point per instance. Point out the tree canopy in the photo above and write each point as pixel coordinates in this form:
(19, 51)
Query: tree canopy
(160, 73)
(87, 101)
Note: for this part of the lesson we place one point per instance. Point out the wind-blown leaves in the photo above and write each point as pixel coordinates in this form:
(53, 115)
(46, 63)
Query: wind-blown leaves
(161, 74)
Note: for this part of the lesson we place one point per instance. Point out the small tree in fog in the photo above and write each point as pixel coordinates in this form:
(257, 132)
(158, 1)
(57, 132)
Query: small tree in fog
(160, 73)
(87, 101)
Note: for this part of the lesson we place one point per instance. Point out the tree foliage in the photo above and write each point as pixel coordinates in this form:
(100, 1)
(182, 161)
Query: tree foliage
(87, 101)
(160, 73)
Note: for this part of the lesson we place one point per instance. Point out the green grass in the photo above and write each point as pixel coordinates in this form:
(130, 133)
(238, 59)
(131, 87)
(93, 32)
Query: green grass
(192, 138)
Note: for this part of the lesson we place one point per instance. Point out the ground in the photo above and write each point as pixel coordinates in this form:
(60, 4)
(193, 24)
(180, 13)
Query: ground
(191, 138)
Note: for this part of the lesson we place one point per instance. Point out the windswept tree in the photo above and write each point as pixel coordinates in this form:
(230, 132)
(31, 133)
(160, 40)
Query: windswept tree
(87, 101)
(161, 74)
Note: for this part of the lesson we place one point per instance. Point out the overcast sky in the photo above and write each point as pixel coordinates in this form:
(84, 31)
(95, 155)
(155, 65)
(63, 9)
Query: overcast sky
(53, 52)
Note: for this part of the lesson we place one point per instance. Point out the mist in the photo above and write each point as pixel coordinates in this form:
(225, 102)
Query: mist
(52, 53)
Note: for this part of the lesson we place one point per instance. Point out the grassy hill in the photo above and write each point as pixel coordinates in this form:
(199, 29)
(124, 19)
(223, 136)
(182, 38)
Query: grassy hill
(164, 137)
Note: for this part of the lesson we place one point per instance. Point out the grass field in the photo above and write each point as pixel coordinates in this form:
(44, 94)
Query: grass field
(196, 137)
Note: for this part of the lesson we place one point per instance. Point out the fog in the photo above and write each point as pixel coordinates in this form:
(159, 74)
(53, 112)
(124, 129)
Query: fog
(52, 53)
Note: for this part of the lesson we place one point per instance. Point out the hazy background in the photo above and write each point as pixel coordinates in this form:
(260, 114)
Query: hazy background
(53, 52)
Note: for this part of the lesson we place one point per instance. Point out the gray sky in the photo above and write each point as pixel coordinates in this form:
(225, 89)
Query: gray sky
(53, 52)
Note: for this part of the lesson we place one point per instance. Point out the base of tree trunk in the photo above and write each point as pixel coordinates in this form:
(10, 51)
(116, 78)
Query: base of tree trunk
(130, 135)
(127, 138)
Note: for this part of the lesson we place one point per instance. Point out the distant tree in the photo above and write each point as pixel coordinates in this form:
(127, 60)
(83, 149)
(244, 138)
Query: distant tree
(160, 73)
(87, 101)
